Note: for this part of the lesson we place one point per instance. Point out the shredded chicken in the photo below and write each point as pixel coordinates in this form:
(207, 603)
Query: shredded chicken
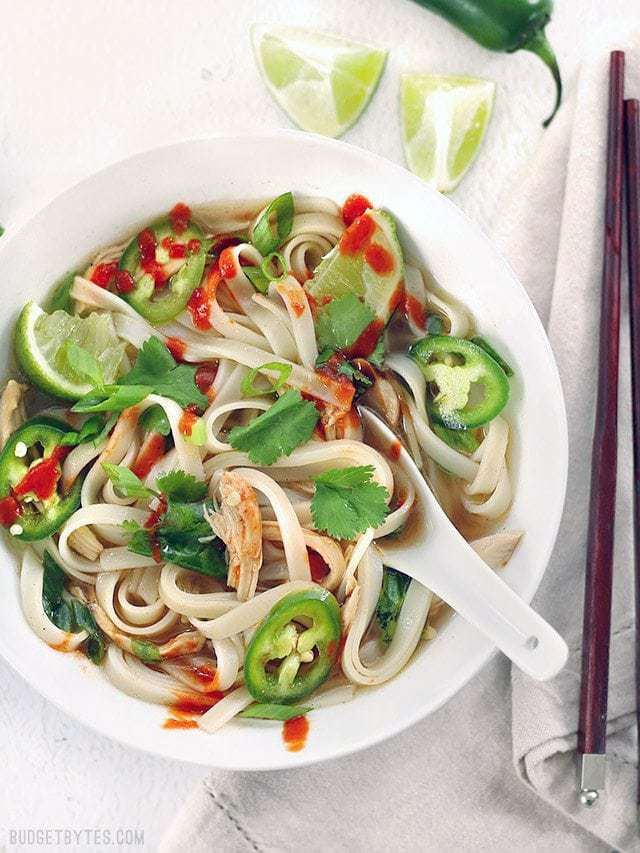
(86, 543)
(383, 399)
(496, 549)
(12, 413)
(239, 524)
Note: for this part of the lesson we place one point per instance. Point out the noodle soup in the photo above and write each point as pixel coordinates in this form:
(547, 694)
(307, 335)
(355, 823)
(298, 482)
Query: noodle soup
(193, 501)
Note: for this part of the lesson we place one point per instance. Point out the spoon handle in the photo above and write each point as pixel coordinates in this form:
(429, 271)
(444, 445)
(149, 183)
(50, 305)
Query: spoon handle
(485, 600)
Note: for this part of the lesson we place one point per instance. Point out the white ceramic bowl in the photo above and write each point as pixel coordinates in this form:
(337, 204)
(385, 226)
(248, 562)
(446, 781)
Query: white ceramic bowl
(461, 259)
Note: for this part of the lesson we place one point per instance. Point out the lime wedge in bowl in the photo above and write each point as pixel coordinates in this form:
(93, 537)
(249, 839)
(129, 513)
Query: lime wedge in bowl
(322, 82)
(373, 272)
(444, 120)
(40, 344)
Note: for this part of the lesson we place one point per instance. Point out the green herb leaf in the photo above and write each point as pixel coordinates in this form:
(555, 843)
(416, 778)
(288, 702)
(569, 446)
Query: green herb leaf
(340, 323)
(390, 601)
(183, 537)
(257, 278)
(347, 501)
(286, 425)
(61, 299)
(247, 387)
(359, 379)
(268, 711)
(146, 651)
(274, 225)
(155, 367)
(112, 398)
(377, 356)
(154, 419)
(126, 483)
(93, 430)
(95, 646)
(83, 363)
(1, 230)
(179, 486)
(69, 614)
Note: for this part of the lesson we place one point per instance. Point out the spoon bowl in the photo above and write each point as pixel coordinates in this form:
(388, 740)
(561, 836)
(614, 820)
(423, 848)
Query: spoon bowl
(438, 557)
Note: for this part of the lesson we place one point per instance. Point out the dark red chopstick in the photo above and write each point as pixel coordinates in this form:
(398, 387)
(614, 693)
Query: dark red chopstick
(599, 566)
(632, 164)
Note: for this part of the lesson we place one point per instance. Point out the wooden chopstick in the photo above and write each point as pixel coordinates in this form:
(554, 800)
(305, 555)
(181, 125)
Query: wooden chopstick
(599, 566)
(632, 174)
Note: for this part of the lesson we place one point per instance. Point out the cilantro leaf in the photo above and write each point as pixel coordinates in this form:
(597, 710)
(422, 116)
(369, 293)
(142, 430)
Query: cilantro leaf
(67, 613)
(183, 537)
(390, 601)
(154, 419)
(286, 425)
(181, 487)
(112, 398)
(360, 380)
(340, 323)
(156, 367)
(128, 484)
(347, 501)
(83, 363)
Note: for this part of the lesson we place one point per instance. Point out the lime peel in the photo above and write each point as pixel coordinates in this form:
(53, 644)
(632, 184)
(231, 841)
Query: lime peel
(444, 120)
(323, 82)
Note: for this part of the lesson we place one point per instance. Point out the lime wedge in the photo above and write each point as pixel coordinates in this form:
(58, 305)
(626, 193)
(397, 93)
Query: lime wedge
(339, 272)
(444, 120)
(40, 340)
(322, 82)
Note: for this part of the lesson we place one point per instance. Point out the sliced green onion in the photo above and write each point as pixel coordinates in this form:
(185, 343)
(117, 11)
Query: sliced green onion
(257, 278)
(267, 711)
(274, 226)
(154, 419)
(248, 388)
(486, 346)
(274, 260)
(462, 440)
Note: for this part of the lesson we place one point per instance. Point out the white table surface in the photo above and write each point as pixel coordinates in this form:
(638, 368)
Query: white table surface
(88, 83)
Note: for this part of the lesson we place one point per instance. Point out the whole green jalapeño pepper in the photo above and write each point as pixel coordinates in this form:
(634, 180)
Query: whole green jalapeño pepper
(456, 367)
(286, 660)
(504, 26)
(159, 295)
(31, 502)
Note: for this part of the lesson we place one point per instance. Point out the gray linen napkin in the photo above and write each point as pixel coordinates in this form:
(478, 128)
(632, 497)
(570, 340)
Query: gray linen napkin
(449, 784)
(545, 715)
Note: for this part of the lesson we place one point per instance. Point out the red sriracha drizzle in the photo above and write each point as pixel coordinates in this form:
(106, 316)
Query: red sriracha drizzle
(188, 420)
(124, 281)
(152, 450)
(9, 511)
(42, 479)
(176, 347)
(319, 568)
(147, 246)
(200, 302)
(205, 375)
(354, 207)
(151, 524)
(294, 733)
(227, 264)
(179, 217)
(103, 274)
(414, 310)
(357, 235)
(379, 259)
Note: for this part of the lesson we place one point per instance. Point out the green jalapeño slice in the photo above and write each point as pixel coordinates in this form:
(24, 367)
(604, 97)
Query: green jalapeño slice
(293, 650)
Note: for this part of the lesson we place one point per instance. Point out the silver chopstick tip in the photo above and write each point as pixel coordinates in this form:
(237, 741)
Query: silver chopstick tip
(588, 796)
(591, 777)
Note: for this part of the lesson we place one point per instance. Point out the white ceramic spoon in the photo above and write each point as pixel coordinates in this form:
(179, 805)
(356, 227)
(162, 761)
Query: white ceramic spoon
(437, 556)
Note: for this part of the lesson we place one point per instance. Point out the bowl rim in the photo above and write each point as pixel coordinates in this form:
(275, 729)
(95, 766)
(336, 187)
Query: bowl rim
(392, 728)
